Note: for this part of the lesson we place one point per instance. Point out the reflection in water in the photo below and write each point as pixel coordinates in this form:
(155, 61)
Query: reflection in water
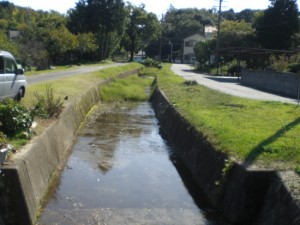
(121, 172)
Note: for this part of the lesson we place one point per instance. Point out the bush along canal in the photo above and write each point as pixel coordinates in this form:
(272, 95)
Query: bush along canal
(122, 171)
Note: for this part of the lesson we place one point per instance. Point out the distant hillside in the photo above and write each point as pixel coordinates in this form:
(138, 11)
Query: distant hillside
(13, 17)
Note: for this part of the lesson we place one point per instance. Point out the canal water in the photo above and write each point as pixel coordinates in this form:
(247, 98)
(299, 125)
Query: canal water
(122, 172)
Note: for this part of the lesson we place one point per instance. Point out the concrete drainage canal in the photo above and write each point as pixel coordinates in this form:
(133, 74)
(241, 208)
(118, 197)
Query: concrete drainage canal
(122, 171)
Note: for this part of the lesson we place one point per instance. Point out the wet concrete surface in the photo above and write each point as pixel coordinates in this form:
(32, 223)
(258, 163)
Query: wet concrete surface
(122, 172)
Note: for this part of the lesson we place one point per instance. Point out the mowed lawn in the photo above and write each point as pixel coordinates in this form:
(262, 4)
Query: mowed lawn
(260, 133)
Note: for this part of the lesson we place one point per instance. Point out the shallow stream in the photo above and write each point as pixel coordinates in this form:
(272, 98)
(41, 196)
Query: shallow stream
(123, 172)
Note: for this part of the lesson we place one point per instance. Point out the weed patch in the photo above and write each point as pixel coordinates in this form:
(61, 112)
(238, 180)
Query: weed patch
(132, 88)
(47, 106)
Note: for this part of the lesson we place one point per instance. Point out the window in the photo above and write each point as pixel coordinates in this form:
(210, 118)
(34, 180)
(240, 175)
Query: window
(190, 43)
(10, 66)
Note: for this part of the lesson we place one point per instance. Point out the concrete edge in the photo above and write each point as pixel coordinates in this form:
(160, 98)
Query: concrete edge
(243, 195)
(25, 181)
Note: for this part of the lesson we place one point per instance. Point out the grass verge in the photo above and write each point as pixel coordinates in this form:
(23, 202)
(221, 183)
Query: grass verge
(71, 87)
(61, 68)
(261, 133)
(74, 86)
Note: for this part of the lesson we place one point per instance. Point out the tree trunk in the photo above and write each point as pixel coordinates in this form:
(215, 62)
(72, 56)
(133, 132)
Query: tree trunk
(132, 48)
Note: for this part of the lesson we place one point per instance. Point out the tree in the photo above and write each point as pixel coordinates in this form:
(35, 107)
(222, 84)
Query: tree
(86, 44)
(247, 15)
(142, 28)
(33, 49)
(237, 34)
(278, 24)
(7, 45)
(105, 19)
(203, 52)
(59, 42)
(229, 15)
(178, 24)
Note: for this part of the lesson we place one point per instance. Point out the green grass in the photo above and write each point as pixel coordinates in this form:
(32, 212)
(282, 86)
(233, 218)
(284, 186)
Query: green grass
(60, 68)
(76, 85)
(256, 132)
(132, 88)
(72, 87)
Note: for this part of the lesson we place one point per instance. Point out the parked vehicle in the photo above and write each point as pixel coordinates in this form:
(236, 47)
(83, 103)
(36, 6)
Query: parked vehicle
(12, 80)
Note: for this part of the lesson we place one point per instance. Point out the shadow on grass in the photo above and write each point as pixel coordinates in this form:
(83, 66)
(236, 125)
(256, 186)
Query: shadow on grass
(259, 149)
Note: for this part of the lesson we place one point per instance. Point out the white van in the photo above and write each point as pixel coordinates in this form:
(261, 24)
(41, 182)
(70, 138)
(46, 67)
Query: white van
(12, 79)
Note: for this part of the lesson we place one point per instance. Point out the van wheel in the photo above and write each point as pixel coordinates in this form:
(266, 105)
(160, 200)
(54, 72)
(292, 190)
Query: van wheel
(19, 95)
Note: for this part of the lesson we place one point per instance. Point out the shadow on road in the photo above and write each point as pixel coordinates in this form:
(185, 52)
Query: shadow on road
(225, 79)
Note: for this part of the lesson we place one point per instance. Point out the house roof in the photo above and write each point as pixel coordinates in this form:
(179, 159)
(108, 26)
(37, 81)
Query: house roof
(194, 37)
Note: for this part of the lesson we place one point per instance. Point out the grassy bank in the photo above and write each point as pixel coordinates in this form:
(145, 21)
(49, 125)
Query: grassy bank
(261, 133)
(72, 87)
(75, 85)
(33, 70)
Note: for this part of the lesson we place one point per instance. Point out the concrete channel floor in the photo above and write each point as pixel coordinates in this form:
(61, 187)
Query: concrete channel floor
(228, 85)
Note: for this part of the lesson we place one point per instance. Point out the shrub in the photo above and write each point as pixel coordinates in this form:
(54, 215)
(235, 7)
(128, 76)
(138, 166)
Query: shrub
(190, 82)
(47, 106)
(294, 67)
(233, 69)
(15, 117)
(152, 63)
(149, 72)
(3, 141)
(279, 63)
(298, 169)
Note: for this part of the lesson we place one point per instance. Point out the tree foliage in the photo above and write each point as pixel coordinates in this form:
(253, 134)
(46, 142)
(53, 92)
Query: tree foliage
(100, 29)
(278, 24)
(142, 27)
(203, 52)
(105, 19)
(237, 34)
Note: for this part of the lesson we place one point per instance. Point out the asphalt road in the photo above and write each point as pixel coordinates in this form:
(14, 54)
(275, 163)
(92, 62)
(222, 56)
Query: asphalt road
(228, 85)
(76, 70)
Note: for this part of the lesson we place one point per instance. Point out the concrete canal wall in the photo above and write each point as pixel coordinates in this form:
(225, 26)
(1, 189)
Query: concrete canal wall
(244, 196)
(24, 181)
(286, 84)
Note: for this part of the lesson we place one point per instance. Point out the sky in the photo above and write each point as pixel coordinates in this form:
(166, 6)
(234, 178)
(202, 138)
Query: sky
(158, 7)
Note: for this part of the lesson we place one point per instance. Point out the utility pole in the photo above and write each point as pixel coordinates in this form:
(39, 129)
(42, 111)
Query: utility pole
(218, 36)
(170, 43)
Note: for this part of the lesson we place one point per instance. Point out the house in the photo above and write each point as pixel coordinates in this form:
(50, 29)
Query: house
(189, 43)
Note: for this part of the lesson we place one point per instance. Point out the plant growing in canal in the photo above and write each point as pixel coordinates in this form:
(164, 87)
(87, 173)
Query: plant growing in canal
(132, 88)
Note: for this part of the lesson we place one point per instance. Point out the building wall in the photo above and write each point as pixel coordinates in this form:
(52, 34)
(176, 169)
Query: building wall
(188, 47)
